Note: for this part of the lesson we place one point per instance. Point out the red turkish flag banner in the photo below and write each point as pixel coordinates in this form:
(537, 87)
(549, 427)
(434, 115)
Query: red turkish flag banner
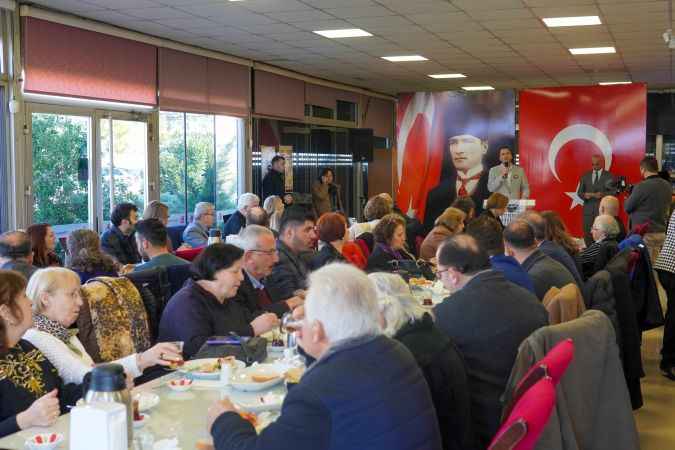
(561, 128)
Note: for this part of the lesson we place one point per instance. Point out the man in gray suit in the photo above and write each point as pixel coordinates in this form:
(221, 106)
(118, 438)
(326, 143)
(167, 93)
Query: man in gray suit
(593, 186)
(507, 178)
(544, 271)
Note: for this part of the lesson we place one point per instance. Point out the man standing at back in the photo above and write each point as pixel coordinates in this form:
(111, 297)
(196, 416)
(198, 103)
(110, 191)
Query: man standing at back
(118, 241)
(487, 317)
(274, 182)
(544, 271)
(296, 236)
(650, 202)
(593, 186)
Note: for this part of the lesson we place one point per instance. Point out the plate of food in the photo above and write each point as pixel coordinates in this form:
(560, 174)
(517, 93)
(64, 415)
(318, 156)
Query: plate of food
(420, 282)
(146, 400)
(209, 368)
(270, 401)
(258, 377)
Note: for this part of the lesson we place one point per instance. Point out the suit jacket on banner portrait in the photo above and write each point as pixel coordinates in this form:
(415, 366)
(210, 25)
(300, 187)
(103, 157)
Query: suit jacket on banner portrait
(562, 128)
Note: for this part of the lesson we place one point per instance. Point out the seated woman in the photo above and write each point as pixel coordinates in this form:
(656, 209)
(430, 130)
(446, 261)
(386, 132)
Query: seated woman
(495, 207)
(43, 243)
(202, 309)
(405, 320)
(160, 211)
(333, 232)
(594, 257)
(55, 293)
(274, 207)
(449, 223)
(31, 392)
(86, 258)
(376, 208)
(389, 244)
(556, 231)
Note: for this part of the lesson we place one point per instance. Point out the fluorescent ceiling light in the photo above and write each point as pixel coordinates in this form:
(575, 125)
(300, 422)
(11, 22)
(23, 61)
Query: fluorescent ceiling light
(609, 83)
(447, 75)
(592, 50)
(346, 33)
(478, 88)
(405, 58)
(578, 21)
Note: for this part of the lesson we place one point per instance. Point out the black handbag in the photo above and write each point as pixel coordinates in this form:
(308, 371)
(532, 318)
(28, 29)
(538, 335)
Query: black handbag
(249, 350)
(408, 268)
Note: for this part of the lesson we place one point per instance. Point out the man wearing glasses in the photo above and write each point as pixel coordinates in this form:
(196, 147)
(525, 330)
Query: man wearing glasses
(260, 256)
(197, 233)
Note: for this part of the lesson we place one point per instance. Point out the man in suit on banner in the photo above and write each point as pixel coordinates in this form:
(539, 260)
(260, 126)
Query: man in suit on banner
(469, 179)
(593, 186)
(507, 178)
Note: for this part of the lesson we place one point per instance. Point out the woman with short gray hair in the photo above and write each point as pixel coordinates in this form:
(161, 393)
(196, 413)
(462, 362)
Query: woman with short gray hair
(406, 321)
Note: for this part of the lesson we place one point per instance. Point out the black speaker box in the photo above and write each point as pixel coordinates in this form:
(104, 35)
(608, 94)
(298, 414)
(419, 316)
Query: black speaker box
(361, 142)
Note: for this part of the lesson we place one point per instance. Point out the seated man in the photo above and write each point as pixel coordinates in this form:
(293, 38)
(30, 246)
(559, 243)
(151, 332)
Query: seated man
(257, 216)
(550, 248)
(153, 245)
(296, 236)
(364, 391)
(118, 241)
(487, 317)
(260, 255)
(609, 205)
(544, 271)
(16, 253)
(488, 233)
(237, 221)
(196, 234)
(604, 246)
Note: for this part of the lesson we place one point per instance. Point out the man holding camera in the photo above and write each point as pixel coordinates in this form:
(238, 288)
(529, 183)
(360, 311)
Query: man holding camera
(593, 186)
(508, 178)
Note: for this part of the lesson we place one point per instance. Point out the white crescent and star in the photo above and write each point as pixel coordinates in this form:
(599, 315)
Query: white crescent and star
(571, 133)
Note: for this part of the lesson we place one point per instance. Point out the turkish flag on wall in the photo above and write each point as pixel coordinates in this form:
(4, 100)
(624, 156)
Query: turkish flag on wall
(561, 128)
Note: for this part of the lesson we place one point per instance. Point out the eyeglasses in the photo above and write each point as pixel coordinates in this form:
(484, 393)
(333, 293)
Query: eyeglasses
(266, 252)
(439, 272)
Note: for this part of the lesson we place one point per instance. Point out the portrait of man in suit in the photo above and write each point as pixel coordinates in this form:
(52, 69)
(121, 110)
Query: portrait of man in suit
(593, 186)
(469, 178)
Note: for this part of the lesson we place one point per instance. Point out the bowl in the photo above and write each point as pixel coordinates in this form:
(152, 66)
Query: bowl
(180, 384)
(44, 441)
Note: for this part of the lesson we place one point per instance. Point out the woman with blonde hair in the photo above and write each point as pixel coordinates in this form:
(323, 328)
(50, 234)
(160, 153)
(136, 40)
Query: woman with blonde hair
(160, 211)
(449, 223)
(56, 297)
(274, 207)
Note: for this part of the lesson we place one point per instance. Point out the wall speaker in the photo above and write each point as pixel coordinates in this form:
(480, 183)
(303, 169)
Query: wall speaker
(361, 142)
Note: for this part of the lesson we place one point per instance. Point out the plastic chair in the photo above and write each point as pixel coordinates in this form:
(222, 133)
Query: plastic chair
(189, 254)
(522, 428)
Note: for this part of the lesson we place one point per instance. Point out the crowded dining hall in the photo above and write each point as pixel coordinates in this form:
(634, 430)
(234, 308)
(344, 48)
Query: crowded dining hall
(337, 225)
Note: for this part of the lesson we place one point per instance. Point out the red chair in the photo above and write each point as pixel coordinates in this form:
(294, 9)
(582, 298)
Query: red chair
(354, 254)
(522, 428)
(418, 244)
(190, 253)
(364, 247)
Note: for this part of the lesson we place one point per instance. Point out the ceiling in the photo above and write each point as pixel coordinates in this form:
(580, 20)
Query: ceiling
(502, 43)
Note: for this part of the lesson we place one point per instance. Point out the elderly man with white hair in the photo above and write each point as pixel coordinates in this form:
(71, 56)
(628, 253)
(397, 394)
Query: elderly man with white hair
(407, 321)
(237, 221)
(196, 234)
(364, 391)
(604, 232)
(260, 256)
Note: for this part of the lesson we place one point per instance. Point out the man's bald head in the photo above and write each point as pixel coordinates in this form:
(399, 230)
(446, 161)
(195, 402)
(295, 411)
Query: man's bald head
(15, 245)
(609, 205)
(537, 222)
(519, 235)
(462, 253)
(257, 216)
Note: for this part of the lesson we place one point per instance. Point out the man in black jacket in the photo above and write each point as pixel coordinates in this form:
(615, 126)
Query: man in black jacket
(274, 182)
(260, 256)
(118, 241)
(296, 236)
(237, 221)
(487, 317)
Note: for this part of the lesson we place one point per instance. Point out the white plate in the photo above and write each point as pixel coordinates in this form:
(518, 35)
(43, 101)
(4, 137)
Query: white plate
(146, 400)
(242, 379)
(271, 401)
(191, 368)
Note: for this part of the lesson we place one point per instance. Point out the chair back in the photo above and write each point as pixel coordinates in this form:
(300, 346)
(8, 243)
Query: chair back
(563, 304)
(155, 289)
(176, 234)
(354, 254)
(418, 244)
(363, 245)
(189, 254)
(177, 275)
(524, 425)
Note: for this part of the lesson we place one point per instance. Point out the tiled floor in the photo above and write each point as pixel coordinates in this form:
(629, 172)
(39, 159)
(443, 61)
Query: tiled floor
(656, 419)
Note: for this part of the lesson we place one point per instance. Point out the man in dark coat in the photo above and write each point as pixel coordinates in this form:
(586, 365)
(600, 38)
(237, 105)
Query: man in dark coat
(237, 221)
(16, 253)
(364, 391)
(118, 241)
(468, 178)
(274, 182)
(487, 317)
(593, 186)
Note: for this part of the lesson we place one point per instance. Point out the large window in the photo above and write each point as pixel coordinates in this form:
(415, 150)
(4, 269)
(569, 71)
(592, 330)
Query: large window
(198, 161)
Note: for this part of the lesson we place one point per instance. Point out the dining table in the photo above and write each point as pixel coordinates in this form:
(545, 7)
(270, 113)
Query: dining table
(177, 420)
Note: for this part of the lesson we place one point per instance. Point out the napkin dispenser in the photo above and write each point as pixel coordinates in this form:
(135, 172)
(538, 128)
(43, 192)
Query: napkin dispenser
(98, 425)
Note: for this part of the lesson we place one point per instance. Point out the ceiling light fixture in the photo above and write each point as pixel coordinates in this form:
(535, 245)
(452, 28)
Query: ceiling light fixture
(592, 50)
(610, 83)
(405, 58)
(440, 76)
(578, 21)
(478, 88)
(345, 33)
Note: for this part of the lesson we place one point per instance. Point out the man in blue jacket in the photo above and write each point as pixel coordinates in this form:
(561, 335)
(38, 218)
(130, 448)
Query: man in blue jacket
(365, 391)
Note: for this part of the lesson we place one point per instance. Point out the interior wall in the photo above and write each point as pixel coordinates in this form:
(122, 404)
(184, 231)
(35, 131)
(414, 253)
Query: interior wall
(381, 172)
